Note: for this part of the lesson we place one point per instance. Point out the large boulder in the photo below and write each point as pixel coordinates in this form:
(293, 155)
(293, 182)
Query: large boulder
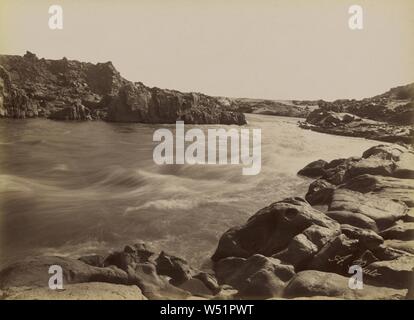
(313, 169)
(176, 268)
(385, 152)
(372, 165)
(315, 283)
(271, 229)
(256, 277)
(320, 192)
(383, 211)
(336, 171)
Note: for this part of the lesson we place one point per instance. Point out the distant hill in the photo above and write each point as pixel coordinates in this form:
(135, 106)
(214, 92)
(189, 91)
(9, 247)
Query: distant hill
(287, 108)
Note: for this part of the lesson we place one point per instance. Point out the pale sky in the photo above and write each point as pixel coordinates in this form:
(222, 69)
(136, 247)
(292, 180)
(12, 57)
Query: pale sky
(280, 49)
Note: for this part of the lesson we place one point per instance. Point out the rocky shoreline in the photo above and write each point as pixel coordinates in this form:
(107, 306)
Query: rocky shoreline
(388, 117)
(345, 124)
(358, 211)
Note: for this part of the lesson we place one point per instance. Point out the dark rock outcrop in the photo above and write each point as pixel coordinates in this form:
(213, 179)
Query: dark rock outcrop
(314, 169)
(394, 106)
(271, 229)
(321, 284)
(71, 90)
(366, 203)
(320, 192)
(387, 117)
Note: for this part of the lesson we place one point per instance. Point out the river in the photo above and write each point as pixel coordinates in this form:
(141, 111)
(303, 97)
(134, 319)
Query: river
(74, 188)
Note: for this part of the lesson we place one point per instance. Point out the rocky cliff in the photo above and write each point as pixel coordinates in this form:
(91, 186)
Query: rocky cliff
(72, 90)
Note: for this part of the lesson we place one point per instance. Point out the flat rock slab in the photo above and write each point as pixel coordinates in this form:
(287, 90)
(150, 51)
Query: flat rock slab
(313, 283)
(372, 165)
(383, 211)
(394, 273)
(384, 187)
(34, 272)
(407, 246)
(400, 231)
(354, 219)
(79, 291)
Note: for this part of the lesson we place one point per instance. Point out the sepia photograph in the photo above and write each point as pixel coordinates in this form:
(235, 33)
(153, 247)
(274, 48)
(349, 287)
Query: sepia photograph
(207, 152)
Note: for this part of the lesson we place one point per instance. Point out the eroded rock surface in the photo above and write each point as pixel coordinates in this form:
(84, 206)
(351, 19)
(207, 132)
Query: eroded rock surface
(72, 90)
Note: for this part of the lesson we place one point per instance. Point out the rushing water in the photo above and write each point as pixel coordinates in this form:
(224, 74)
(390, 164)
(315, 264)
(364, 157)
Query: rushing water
(73, 188)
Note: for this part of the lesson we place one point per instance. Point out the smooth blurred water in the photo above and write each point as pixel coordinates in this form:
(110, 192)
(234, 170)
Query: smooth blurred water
(74, 188)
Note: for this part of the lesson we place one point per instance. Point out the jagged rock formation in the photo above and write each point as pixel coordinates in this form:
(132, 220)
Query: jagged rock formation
(395, 106)
(71, 90)
(387, 117)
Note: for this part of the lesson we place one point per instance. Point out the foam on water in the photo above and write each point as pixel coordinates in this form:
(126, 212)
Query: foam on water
(74, 188)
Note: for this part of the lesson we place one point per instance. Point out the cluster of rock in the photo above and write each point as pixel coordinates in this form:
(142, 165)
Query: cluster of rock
(358, 211)
(137, 272)
(394, 106)
(72, 90)
(347, 124)
(285, 108)
(387, 117)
